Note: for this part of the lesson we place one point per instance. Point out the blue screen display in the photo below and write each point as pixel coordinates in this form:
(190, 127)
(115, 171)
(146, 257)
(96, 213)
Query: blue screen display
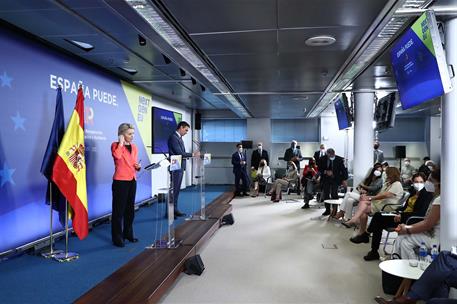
(164, 123)
(416, 70)
(343, 122)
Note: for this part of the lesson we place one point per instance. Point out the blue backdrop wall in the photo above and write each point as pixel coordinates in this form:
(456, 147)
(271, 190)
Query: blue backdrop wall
(29, 76)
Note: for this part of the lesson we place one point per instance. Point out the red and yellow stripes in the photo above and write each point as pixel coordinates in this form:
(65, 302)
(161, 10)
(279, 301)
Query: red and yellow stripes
(69, 171)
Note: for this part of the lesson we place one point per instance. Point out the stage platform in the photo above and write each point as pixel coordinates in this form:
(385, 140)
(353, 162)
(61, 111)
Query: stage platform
(29, 278)
(147, 277)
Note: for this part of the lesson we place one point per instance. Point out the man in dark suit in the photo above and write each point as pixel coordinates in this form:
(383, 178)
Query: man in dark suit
(319, 154)
(257, 155)
(239, 169)
(293, 154)
(334, 174)
(176, 147)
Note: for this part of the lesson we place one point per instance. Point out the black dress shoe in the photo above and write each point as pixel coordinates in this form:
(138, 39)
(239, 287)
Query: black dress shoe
(305, 206)
(119, 244)
(132, 240)
(361, 238)
(327, 212)
(371, 256)
(246, 194)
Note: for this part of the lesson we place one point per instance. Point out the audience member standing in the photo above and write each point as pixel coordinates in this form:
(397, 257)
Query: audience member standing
(333, 174)
(293, 154)
(257, 155)
(239, 169)
(319, 154)
(378, 155)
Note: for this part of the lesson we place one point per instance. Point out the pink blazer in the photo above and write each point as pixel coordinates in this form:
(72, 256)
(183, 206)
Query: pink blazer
(124, 161)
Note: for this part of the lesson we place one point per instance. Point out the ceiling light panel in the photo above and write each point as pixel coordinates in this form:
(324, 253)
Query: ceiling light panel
(169, 34)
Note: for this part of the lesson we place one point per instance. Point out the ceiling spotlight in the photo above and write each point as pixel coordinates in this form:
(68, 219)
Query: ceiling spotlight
(194, 82)
(166, 59)
(82, 45)
(129, 70)
(182, 72)
(141, 40)
(323, 40)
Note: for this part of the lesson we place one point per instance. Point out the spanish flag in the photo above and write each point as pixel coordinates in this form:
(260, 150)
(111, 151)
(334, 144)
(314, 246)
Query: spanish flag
(69, 170)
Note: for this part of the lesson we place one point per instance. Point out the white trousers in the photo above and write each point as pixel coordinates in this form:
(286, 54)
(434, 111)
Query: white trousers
(405, 244)
(350, 200)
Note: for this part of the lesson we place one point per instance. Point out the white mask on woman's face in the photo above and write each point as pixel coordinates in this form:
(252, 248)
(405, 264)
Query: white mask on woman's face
(377, 173)
(429, 186)
(418, 186)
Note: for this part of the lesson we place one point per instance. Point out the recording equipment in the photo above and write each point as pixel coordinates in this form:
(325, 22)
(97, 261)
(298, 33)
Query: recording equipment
(194, 265)
(198, 121)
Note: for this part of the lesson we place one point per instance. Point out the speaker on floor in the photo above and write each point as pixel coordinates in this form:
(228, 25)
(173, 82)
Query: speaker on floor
(227, 220)
(400, 151)
(198, 121)
(194, 265)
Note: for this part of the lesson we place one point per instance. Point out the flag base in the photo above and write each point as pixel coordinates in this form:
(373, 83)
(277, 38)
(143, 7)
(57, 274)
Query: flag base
(66, 257)
(51, 253)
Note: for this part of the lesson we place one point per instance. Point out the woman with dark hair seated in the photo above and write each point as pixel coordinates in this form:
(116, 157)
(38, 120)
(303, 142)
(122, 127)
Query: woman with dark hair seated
(370, 186)
(390, 193)
(417, 205)
(427, 231)
(308, 181)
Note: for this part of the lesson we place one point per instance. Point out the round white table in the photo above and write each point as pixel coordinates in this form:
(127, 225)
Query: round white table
(402, 269)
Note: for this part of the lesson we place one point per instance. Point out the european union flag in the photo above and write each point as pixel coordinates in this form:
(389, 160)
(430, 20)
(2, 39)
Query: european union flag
(57, 132)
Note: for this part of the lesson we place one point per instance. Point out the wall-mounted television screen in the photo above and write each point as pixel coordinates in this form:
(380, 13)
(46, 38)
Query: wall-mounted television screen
(164, 123)
(384, 114)
(342, 112)
(419, 63)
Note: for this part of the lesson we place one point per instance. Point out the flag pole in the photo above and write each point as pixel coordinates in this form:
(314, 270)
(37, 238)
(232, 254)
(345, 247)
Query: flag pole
(66, 256)
(51, 252)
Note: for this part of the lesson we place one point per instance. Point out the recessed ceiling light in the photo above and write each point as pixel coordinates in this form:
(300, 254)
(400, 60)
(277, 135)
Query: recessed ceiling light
(129, 70)
(82, 45)
(323, 40)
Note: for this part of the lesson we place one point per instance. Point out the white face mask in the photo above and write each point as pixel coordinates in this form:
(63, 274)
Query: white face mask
(332, 158)
(429, 186)
(406, 163)
(323, 150)
(430, 167)
(418, 186)
(259, 148)
(240, 150)
(377, 173)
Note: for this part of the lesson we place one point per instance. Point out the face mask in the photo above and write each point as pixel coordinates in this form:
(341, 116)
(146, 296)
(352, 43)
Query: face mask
(430, 167)
(419, 186)
(406, 163)
(259, 148)
(429, 186)
(377, 173)
(322, 150)
(332, 158)
(240, 150)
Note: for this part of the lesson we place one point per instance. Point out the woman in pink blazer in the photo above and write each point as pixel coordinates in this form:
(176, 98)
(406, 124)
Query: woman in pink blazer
(125, 155)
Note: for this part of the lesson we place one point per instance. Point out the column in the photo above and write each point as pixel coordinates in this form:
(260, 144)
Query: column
(449, 147)
(363, 135)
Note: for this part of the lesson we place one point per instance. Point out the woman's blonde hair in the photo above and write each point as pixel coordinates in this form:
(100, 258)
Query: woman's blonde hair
(124, 127)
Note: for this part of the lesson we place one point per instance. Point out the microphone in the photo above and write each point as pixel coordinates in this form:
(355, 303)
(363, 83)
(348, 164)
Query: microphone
(161, 151)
